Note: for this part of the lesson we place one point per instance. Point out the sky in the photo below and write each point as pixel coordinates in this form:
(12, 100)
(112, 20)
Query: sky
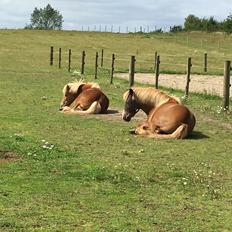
(105, 14)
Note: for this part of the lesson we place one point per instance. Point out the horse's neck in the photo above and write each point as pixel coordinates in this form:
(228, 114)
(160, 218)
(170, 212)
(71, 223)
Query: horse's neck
(147, 108)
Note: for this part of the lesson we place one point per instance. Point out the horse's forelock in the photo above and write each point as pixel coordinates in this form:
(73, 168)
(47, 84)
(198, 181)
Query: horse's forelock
(74, 86)
(125, 95)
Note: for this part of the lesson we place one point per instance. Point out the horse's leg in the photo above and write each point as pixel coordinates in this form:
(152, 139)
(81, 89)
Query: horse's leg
(180, 133)
(95, 108)
(66, 109)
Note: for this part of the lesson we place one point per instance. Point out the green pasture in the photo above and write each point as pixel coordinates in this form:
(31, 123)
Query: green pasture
(174, 49)
(73, 173)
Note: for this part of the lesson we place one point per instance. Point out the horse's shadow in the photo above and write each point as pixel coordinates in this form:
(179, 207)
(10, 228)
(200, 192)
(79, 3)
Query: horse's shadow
(197, 135)
(112, 111)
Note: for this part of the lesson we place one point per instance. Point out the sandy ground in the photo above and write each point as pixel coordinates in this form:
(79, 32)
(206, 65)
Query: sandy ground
(199, 83)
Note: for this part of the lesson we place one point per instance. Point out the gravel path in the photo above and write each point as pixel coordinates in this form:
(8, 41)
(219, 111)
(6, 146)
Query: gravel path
(199, 83)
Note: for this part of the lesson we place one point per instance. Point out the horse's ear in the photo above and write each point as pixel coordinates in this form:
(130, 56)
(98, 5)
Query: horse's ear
(66, 89)
(80, 89)
(131, 94)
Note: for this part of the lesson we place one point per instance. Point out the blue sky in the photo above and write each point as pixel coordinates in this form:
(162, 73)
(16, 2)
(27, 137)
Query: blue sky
(123, 13)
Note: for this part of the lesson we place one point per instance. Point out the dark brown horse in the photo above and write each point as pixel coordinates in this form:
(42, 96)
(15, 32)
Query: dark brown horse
(83, 98)
(166, 116)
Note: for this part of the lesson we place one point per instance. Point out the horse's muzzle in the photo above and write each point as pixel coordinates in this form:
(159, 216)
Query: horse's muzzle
(126, 117)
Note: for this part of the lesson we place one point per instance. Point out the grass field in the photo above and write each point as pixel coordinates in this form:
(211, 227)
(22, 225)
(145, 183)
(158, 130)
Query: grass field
(174, 49)
(71, 173)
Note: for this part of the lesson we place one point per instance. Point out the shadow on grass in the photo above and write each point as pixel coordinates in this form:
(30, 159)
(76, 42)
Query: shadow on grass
(112, 111)
(198, 135)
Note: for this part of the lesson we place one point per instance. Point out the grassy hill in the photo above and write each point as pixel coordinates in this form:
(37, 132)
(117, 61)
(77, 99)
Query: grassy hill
(174, 49)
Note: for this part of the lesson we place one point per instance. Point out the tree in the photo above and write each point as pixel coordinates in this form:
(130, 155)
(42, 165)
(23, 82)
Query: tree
(210, 24)
(46, 18)
(176, 28)
(227, 24)
(192, 23)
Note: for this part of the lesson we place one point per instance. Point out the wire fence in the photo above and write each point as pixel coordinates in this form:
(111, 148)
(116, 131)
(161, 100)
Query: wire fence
(169, 63)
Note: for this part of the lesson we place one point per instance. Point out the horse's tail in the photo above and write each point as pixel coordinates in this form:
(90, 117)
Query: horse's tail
(95, 108)
(180, 133)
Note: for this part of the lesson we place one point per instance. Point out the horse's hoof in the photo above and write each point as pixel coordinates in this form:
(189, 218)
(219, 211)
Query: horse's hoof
(132, 131)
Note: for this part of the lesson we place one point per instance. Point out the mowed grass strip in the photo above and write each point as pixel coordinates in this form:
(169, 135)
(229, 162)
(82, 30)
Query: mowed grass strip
(77, 173)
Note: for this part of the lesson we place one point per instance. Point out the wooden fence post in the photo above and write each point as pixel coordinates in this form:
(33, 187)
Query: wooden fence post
(205, 62)
(69, 59)
(157, 71)
(51, 55)
(189, 65)
(112, 69)
(155, 61)
(59, 57)
(226, 89)
(83, 62)
(132, 71)
(96, 65)
(102, 57)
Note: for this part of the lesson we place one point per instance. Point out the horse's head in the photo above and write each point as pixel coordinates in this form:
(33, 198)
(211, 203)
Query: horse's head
(131, 106)
(68, 97)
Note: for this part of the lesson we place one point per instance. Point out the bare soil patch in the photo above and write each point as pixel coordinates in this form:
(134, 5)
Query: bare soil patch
(116, 115)
(8, 156)
(199, 83)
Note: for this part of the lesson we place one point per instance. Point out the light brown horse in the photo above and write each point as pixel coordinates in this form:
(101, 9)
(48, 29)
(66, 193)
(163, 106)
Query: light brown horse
(83, 98)
(166, 116)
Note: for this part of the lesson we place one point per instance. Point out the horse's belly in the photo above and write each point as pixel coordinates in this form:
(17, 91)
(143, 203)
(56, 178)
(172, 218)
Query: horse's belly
(83, 103)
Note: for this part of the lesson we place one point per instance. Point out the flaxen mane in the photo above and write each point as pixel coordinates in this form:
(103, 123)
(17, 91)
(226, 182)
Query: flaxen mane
(74, 86)
(151, 96)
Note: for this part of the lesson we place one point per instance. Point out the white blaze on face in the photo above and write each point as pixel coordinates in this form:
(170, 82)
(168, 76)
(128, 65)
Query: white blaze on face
(123, 114)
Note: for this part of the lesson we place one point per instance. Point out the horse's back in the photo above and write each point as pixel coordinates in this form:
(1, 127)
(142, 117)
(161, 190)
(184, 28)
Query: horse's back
(88, 96)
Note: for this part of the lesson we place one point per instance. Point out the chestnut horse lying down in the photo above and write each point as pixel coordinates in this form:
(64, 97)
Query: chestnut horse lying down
(166, 116)
(83, 98)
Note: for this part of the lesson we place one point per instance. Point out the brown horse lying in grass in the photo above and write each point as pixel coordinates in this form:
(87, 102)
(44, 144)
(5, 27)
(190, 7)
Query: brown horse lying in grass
(167, 117)
(83, 98)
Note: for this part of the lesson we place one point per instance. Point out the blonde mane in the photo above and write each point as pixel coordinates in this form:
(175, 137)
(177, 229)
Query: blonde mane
(151, 96)
(74, 86)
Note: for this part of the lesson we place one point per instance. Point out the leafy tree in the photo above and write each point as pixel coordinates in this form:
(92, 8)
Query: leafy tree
(46, 18)
(227, 24)
(176, 28)
(210, 24)
(192, 23)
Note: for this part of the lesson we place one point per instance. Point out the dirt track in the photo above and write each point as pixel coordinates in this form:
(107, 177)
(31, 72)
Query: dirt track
(199, 83)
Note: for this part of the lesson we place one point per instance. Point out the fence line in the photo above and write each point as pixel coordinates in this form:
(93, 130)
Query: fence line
(121, 64)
